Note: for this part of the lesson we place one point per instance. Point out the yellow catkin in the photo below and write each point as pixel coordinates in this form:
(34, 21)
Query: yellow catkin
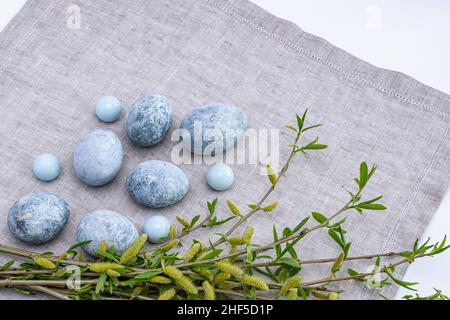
(173, 272)
(112, 273)
(44, 263)
(233, 249)
(100, 267)
(192, 252)
(236, 241)
(186, 283)
(168, 294)
(233, 208)
(271, 174)
(205, 273)
(173, 231)
(103, 245)
(255, 282)
(333, 296)
(228, 285)
(338, 263)
(208, 291)
(319, 295)
(292, 294)
(63, 256)
(172, 244)
(183, 221)
(227, 267)
(137, 290)
(271, 207)
(248, 234)
(160, 280)
(291, 283)
(132, 251)
(222, 277)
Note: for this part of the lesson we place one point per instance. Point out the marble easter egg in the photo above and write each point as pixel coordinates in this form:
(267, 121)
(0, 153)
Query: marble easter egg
(106, 225)
(148, 120)
(98, 158)
(38, 217)
(212, 128)
(157, 184)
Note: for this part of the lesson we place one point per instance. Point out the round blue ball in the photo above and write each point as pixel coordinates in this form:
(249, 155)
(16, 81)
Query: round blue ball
(108, 109)
(220, 177)
(46, 167)
(157, 229)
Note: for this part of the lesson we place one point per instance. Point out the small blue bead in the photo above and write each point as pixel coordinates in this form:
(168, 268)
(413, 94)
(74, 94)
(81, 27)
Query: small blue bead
(108, 109)
(220, 177)
(157, 229)
(46, 167)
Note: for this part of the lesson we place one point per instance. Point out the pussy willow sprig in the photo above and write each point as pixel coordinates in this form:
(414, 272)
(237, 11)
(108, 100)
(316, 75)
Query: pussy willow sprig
(230, 267)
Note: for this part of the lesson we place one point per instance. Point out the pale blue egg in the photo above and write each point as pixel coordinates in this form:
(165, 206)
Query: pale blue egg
(108, 109)
(157, 229)
(220, 177)
(46, 167)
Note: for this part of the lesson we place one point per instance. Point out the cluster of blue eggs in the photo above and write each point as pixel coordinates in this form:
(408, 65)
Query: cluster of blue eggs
(98, 159)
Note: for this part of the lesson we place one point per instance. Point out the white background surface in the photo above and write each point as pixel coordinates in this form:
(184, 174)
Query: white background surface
(410, 36)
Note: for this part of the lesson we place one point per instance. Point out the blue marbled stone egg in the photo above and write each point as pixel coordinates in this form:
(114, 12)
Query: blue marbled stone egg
(212, 128)
(157, 184)
(108, 109)
(98, 158)
(46, 167)
(220, 177)
(148, 120)
(38, 217)
(157, 229)
(106, 225)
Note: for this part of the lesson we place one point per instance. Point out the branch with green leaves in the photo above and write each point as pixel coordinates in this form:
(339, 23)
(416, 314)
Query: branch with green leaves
(232, 266)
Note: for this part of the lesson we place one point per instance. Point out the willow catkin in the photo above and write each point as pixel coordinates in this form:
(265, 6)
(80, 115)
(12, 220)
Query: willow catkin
(270, 207)
(112, 273)
(160, 280)
(192, 252)
(255, 282)
(187, 284)
(168, 294)
(236, 241)
(291, 283)
(173, 272)
(100, 267)
(183, 221)
(132, 251)
(333, 296)
(292, 294)
(208, 291)
(173, 231)
(205, 273)
(103, 245)
(271, 174)
(172, 244)
(230, 268)
(227, 285)
(338, 263)
(180, 279)
(233, 208)
(44, 263)
(248, 234)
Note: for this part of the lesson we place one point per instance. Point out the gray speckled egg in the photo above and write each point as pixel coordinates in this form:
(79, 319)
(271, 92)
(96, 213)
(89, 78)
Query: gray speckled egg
(212, 128)
(98, 158)
(148, 120)
(157, 184)
(38, 217)
(106, 225)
